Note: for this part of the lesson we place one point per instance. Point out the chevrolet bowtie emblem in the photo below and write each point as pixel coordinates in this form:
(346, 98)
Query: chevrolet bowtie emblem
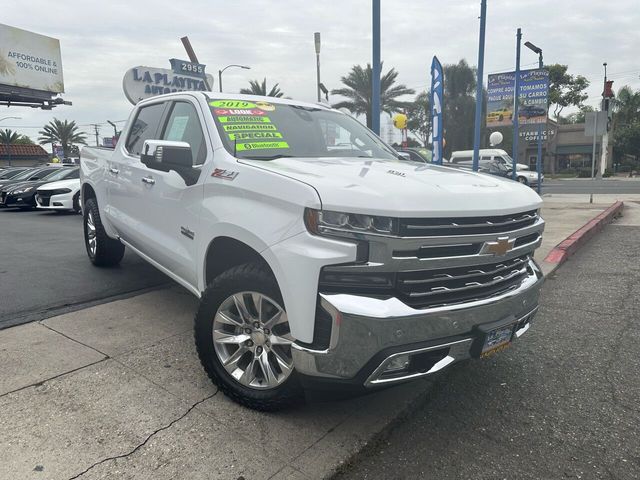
(499, 247)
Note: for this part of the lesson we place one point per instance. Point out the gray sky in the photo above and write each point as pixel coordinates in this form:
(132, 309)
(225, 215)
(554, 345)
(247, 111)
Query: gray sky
(101, 40)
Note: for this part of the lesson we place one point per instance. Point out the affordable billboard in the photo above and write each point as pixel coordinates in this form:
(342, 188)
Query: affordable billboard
(30, 60)
(533, 104)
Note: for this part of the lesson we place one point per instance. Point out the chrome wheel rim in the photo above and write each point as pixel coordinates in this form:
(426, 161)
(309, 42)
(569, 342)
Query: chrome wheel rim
(91, 234)
(252, 340)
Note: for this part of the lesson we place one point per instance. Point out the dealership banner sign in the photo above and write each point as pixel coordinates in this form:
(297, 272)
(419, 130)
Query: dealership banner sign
(533, 98)
(144, 82)
(30, 60)
(437, 94)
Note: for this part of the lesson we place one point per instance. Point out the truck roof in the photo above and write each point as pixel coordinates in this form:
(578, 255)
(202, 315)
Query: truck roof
(238, 96)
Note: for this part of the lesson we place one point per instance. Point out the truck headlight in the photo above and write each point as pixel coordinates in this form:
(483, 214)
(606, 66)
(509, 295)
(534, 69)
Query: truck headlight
(324, 222)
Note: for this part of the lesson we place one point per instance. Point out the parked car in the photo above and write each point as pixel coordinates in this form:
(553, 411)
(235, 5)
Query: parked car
(465, 157)
(30, 174)
(22, 194)
(59, 196)
(420, 155)
(497, 168)
(10, 172)
(314, 266)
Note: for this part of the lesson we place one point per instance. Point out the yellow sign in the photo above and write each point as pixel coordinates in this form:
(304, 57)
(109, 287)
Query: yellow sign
(400, 121)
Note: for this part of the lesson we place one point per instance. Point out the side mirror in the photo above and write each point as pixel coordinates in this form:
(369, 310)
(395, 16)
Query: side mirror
(165, 155)
(404, 156)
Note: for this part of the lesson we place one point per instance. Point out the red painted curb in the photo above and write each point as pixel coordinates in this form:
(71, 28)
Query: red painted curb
(573, 242)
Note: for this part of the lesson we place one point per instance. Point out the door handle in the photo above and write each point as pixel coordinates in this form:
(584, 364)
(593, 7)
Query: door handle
(148, 180)
(115, 171)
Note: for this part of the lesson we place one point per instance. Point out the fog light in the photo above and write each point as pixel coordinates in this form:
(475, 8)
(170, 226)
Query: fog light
(397, 364)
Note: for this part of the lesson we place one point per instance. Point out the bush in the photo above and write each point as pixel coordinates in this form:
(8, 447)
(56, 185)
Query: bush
(584, 173)
(607, 173)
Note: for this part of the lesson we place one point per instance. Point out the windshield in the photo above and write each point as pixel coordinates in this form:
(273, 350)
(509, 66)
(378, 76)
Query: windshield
(60, 175)
(265, 131)
(25, 174)
(10, 174)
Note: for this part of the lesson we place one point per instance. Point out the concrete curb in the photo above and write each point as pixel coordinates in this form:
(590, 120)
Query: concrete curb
(577, 239)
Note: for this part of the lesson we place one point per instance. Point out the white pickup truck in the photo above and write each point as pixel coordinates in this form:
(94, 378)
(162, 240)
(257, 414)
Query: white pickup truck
(321, 259)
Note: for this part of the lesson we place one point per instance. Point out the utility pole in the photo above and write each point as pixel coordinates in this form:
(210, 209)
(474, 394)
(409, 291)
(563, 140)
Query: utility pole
(115, 130)
(316, 37)
(538, 50)
(478, 118)
(516, 104)
(605, 137)
(96, 129)
(375, 71)
(192, 57)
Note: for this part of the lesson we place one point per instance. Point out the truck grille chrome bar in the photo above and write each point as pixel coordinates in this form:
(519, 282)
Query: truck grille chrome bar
(427, 227)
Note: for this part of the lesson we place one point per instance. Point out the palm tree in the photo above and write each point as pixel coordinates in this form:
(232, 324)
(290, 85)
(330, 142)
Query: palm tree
(63, 133)
(358, 91)
(8, 136)
(257, 88)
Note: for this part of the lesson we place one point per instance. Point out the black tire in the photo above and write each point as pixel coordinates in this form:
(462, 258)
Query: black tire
(249, 277)
(522, 180)
(76, 203)
(108, 251)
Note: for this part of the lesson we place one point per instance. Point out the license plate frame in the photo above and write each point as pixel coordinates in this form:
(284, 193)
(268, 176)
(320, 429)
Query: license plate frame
(492, 338)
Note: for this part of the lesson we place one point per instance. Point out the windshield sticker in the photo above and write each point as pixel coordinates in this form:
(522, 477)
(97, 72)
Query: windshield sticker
(260, 146)
(248, 126)
(244, 119)
(239, 111)
(232, 104)
(269, 107)
(253, 135)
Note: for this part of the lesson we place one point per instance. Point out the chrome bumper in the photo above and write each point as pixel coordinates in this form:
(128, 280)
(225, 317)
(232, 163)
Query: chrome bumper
(367, 333)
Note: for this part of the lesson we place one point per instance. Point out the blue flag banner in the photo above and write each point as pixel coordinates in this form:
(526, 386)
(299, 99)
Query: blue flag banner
(437, 94)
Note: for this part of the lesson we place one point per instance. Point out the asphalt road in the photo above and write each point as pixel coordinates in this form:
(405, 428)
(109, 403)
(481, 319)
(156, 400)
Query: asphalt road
(564, 402)
(44, 268)
(586, 185)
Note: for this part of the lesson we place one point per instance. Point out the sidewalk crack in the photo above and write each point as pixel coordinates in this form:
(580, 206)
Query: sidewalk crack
(146, 440)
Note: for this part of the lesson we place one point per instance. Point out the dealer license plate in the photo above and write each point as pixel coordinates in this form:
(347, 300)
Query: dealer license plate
(497, 340)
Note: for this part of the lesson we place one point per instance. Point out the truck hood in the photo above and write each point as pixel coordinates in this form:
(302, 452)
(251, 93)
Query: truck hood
(402, 188)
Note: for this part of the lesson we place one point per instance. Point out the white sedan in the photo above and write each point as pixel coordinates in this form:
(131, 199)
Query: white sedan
(61, 195)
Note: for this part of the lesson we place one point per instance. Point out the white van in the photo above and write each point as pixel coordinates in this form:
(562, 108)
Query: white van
(485, 155)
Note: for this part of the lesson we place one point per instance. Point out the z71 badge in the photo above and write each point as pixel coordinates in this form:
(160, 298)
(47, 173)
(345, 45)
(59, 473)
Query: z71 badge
(224, 174)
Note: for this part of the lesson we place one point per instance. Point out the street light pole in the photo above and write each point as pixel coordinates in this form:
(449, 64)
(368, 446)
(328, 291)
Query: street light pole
(478, 118)
(375, 72)
(8, 140)
(229, 66)
(538, 50)
(316, 37)
(605, 136)
(516, 104)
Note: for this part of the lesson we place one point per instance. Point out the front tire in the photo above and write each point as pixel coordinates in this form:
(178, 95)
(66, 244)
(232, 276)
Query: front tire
(76, 203)
(243, 339)
(523, 181)
(102, 250)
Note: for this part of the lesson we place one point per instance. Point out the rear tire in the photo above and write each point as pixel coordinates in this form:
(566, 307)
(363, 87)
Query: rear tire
(523, 181)
(102, 250)
(250, 358)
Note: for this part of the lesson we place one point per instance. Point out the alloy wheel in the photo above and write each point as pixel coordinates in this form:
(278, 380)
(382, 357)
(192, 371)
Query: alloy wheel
(252, 340)
(91, 233)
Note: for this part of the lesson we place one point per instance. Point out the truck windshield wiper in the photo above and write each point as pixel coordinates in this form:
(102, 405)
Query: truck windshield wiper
(269, 157)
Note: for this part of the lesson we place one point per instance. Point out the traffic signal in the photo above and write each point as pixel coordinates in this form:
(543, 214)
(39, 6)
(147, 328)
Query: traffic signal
(608, 89)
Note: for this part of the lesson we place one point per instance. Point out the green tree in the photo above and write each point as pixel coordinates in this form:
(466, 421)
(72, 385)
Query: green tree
(8, 136)
(459, 106)
(419, 117)
(565, 89)
(257, 88)
(578, 117)
(626, 105)
(358, 91)
(626, 124)
(62, 133)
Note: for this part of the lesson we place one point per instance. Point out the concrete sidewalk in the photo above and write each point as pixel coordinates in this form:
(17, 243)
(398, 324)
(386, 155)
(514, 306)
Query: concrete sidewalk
(117, 391)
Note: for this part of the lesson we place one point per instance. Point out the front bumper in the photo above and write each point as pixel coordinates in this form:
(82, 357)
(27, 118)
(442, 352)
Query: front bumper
(10, 200)
(62, 201)
(367, 333)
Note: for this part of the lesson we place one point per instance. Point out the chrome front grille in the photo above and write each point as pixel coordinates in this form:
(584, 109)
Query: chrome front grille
(455, 285)
(430, 227)
(443, 261)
